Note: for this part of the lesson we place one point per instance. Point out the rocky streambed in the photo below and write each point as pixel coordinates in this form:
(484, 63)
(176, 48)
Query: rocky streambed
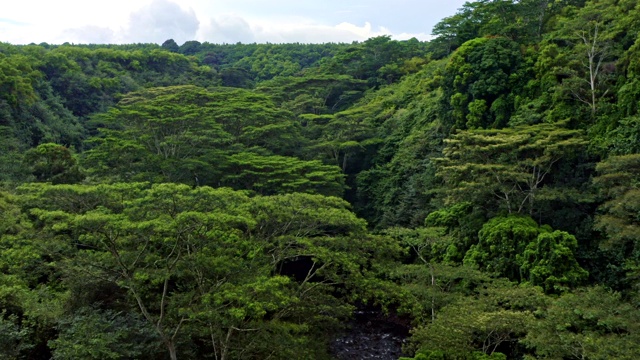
(371, 335)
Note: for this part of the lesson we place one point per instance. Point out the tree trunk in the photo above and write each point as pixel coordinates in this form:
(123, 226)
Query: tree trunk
(171, 346)
(433, 295)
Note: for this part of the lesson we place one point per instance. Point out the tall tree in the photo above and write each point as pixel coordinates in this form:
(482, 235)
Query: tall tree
(593, 41)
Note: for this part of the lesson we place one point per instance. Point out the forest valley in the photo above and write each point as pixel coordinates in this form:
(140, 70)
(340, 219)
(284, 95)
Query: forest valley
(240, 201)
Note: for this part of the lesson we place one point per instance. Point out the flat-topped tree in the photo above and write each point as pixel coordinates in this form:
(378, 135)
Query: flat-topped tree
(619, 182)
(208, 266)
(187, 134)
(505, 170)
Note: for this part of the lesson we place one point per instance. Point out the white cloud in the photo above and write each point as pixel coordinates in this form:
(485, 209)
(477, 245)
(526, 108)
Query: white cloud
(90, 34)
(233, 28)
(276, 21)
(226, 29)
(153, 22)
(162, 20)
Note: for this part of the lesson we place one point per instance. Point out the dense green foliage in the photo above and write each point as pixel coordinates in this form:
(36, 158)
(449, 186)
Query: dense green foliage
(240, 201)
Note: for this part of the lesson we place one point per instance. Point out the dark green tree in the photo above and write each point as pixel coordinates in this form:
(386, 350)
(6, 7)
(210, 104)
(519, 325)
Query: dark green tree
(53, 163)
(549, 261)
(479, 82)
(501, 242)
(171, 45)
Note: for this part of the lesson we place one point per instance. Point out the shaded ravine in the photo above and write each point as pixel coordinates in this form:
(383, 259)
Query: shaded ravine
(371, 335)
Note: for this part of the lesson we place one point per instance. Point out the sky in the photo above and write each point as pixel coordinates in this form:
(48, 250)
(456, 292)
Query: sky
(218, 21)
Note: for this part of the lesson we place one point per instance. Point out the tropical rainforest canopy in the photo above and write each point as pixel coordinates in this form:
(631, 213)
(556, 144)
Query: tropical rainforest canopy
(223, 201)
